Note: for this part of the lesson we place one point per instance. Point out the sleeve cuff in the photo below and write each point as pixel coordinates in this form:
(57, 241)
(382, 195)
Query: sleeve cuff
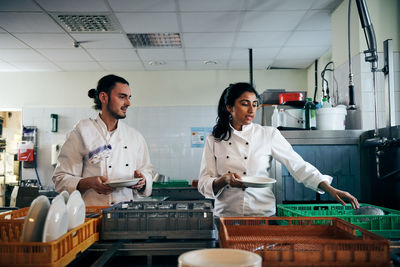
(324, 178)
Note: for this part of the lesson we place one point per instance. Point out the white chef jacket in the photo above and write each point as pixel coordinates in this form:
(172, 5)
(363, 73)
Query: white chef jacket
(128, 153)
(249, 153)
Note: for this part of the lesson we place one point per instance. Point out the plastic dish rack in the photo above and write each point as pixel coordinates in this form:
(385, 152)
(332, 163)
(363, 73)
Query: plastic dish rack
(305, 241)
(158, 220)
(387, 225)
(56, 253)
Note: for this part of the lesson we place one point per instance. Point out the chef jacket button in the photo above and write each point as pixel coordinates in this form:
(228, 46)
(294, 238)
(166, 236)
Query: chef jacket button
(227, 157)
(244, 189)
(127, 164)
(227, 186)
(245, 157)
(247, 143)
(229, 171)
(230, 143)
(125, 147)
(244, 172)
(109, 166)
(112, 203)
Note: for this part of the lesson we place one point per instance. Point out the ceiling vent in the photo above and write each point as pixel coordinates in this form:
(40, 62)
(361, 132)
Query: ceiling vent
(155, 40)
(87, 22)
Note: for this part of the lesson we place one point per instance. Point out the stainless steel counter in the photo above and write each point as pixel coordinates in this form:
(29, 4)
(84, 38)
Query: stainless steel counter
(317, 137)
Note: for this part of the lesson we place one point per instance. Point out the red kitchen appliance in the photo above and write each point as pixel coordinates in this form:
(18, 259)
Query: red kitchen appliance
(288, 97)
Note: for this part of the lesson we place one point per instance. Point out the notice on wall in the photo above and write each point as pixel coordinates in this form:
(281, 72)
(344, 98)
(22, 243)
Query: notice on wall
(199, 135)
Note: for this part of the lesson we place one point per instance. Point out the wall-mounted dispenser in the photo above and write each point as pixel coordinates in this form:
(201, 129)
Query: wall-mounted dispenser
(54, 122)
(55, 150)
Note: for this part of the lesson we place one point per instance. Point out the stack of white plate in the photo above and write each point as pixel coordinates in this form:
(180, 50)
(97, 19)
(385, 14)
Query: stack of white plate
(47, 222)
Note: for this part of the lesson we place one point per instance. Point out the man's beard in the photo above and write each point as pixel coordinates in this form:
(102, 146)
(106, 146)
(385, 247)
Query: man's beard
(114, 114)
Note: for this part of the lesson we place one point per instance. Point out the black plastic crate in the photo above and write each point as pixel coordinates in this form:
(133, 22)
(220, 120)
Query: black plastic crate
(158, 220)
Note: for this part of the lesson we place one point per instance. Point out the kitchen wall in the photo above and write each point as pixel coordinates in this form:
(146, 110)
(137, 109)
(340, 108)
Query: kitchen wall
(386, 21)
(152, 88)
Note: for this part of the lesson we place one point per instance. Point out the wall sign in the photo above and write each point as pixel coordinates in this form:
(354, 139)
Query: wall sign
(199, 135)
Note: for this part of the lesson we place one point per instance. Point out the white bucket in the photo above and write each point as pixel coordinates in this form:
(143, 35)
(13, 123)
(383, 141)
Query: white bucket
(331, 118)
(219, 257)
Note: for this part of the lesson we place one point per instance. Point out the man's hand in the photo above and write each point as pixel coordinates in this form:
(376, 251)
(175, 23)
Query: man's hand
(95, 183)
(141, 185)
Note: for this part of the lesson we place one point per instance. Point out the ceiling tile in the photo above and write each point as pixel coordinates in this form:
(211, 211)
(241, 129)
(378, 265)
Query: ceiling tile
(310, 53)
(208, 39)
(71, 54)
(310, 38)
(161, 54)
(261, 39)
(316, 20)
(18, 5)
(211, 5)
(74, 5)
(148, 22)
(9, 41)
(15, 55)
(210, 22)
(279, 5)
(271, 21)
(170, 65)
(200, 65)
(244, 64)
(5, 67)
(207, 53)
(80, 66)
(326, 4)
(258, 53)
(43, 40)
(144, 6)
(28, 22)
(113, 54)
(292, 63)
(121, 65)
(36, 66)
(103, 40)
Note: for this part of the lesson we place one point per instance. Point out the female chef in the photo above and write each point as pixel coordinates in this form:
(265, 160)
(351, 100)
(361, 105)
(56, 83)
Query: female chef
(238, 147)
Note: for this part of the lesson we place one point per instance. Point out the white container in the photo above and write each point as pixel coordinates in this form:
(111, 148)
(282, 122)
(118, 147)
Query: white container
(219, 257)
(294, 118)
(331, 118)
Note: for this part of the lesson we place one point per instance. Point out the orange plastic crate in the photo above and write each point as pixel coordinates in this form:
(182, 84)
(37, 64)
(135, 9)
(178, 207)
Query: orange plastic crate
(56, 253)
(305, 241)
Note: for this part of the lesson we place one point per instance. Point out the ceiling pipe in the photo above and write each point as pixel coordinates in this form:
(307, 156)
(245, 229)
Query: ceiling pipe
(251, 65)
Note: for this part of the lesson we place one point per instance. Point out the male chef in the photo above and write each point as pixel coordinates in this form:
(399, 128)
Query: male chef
(103, 150)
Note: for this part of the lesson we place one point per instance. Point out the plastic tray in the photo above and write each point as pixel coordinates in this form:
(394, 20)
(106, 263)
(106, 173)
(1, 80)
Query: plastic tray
(55, 253)
(305, 241)
(173, 183)
(387, 225)
(158, 220)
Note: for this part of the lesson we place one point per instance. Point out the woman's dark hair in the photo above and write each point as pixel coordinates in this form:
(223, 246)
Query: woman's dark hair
(105, 84)
(222, 130)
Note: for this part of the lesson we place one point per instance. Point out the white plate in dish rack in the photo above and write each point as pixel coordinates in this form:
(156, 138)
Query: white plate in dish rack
(76, 210)
(56, 223)
(257, 181)
(123, 182)
(35, 219)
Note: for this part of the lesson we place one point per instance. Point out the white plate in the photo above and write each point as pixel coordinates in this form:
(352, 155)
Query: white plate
(56, 223)
(35, 219)
(65, 195)
(76, 210)
(257, 181)
(123, 182)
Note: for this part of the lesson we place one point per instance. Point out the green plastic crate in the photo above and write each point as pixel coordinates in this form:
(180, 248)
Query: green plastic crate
(387, 225)
(173, 183)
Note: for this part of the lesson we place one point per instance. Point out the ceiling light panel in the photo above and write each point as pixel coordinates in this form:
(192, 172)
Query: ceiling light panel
(87, 22)
(155, 40)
